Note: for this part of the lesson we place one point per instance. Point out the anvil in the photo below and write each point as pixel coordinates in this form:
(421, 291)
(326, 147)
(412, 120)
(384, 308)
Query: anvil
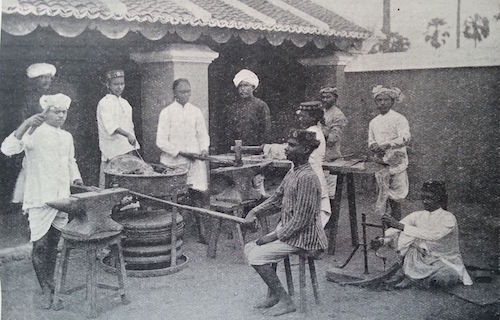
(91, 212)
(241, 188)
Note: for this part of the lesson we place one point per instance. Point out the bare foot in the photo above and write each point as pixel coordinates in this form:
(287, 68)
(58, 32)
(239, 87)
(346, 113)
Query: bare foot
(267, 303)
(284, 306)
(404, 284)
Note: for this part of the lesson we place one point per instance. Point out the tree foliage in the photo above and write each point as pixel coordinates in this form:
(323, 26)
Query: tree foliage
(476, 28)
(434, 34)
(393, 42)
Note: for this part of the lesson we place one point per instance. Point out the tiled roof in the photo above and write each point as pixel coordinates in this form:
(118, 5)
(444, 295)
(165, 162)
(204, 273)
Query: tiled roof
(305, 17)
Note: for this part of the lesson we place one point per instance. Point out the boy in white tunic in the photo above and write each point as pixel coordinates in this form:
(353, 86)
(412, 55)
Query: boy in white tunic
(182, 134)
(114, 122)
(310, 116)
(50, 169)
(428, 242)
(388, 135)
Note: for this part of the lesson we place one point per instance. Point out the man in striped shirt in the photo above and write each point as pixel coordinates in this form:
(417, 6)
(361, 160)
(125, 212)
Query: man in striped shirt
(298, 199)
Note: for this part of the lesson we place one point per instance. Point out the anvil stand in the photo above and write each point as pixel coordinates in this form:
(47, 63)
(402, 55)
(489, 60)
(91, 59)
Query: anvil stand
(90, 229)
(235, 197)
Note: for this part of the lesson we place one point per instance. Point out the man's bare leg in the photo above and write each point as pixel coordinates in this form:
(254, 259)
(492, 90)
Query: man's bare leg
(43, 257)
(279, 301)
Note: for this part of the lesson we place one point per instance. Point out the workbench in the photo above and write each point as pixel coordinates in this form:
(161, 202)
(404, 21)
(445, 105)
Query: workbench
(344, 170)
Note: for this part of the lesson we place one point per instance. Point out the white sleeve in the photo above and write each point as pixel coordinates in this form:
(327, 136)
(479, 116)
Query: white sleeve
(163, 136)
(446, 225)
(11, 145)
(403, 132)
(371, 135)
(74, 172)
(109, 120)
(202, 132)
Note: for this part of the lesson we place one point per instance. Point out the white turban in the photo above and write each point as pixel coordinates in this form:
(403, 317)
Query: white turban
(39, 69)
(247, 76)
(60, 101)
(392, 92)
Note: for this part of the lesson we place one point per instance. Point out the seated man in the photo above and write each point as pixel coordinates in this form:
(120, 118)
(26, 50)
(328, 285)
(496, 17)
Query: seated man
(299, 199)
(427, 241)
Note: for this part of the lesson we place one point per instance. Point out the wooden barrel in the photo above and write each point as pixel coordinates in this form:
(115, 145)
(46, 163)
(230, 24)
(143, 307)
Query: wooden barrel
(147, 243)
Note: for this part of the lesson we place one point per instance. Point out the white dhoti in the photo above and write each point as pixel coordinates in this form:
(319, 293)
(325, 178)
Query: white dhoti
(391, 186)
(41, 218)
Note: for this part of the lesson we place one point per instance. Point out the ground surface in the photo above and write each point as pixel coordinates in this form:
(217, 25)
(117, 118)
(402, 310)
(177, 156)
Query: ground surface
(226, 288)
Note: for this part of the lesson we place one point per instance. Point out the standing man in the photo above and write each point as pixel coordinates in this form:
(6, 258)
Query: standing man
(114, 122)
(50, 169)
(333, 129)
(335, 122)
(40, 77)
(182, 135)
(299, 200)
(248, 118)
(310, 116)
(388, 135)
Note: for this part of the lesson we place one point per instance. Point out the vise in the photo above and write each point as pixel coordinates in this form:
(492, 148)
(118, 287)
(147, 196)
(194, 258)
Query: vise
(91, 213)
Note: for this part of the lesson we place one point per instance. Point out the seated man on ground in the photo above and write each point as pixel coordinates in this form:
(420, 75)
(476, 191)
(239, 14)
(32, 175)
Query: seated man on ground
(427, 241)
(298, 199)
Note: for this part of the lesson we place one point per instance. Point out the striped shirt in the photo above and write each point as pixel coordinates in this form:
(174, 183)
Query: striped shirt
(299, 199)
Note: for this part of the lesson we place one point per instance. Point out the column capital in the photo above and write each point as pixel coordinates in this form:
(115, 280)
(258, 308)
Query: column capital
(177, 52)
(337, 59)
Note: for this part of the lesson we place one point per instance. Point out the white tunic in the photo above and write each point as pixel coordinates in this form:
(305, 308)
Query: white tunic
(112, 113)
(391, 128)
(183, 128)
(316, 160)
(50, 168)
(429, 237)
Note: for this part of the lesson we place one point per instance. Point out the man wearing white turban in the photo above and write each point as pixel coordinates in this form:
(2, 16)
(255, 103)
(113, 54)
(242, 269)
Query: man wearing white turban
(50, 169)
(40, 77)
(388, 136)
(248, 118)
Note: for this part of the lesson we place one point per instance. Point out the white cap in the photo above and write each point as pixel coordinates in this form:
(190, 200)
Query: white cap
(39, 69)
(59, 100)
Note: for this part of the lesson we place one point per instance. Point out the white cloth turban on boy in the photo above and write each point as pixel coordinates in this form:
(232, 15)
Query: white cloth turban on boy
(60, 101)
(392, 92)
(247, 76)
(40, 69)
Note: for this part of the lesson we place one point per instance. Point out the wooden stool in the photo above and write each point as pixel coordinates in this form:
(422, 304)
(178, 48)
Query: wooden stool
(228, 208)
(303, 256)
(91, 247)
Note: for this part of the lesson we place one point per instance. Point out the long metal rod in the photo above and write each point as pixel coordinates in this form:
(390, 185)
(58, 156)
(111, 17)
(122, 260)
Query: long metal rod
(212, 213)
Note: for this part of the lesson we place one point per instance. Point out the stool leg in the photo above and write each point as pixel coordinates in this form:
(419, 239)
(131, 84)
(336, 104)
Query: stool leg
(288, 274)
(214, 238)
(121, 272)
(238, 233)
(61, 265)
(314, 279)
(91, 281)
(302, 281)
